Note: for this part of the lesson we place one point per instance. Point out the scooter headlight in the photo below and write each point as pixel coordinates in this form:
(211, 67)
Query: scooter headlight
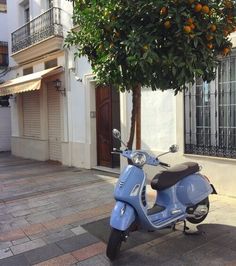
(138, 158)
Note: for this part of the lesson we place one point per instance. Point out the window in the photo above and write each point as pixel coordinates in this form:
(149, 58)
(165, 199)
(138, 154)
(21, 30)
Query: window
(27, 71)
(3, 6)
(26, 14)
(50, 64)
(49, 3)
(210, 114)
(24, 9)
(4, 101)
(3, 54)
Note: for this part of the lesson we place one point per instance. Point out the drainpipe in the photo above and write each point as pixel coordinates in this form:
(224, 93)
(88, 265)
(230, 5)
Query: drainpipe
(68, 130)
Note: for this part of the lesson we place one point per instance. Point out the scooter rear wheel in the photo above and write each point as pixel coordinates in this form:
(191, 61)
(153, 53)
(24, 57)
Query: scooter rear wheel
(114, 244)
(197, 220)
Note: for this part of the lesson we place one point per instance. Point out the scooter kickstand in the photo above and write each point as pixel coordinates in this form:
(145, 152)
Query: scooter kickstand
(185, 228)
(173, 227)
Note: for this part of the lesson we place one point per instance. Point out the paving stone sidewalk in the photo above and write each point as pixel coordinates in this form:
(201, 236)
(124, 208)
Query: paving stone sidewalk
(43, 207)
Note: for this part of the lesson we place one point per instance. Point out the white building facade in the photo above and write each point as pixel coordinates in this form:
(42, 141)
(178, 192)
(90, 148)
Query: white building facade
(60, 113)
(5, 114)
(37, 80)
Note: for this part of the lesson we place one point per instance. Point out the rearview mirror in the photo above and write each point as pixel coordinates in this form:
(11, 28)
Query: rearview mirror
(116, 133)
(174, 148)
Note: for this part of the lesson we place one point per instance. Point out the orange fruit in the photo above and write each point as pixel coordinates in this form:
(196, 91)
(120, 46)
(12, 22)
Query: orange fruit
(192, 26)
(205, 9)
(213, 27)
(167, 24)
(187, 29)
(198, 7)
(189, 21)
(209, 37)
(164, 11)
(226, 51)
(210, 45)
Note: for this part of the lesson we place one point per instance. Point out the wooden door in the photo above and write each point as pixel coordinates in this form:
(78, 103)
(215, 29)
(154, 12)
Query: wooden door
(104, 125)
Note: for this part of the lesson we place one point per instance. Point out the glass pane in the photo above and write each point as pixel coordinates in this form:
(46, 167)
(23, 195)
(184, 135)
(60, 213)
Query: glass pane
(199, 116)
(223, 71)
(223, 116)
(206, 93)
(207, 116)
(233, 93)
(233, 69)
(207, 136)
(200, 141)
(233, 138)
(232, 118)
(223, 94)
(199, 98)
(223, 138)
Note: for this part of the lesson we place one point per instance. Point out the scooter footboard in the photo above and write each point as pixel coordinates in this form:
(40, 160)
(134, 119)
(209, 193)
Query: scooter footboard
(123, 215)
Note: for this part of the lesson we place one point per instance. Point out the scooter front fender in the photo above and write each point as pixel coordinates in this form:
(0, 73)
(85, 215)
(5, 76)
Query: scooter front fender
(123, 215)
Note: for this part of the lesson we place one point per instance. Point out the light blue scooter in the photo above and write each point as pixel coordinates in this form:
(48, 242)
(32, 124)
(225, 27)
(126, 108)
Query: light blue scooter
(182, 194)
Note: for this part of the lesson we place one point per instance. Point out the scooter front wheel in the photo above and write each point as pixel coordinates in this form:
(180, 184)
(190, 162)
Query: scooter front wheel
(114, 243)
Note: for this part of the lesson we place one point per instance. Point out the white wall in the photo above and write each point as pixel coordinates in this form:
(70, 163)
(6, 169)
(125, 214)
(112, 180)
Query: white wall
(13, 18)
(3, 28)
(5, 129)
(5, 113)
(158, 120)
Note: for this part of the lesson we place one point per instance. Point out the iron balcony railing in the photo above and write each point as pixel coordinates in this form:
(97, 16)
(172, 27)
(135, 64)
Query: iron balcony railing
(3, 54)
(42, 27)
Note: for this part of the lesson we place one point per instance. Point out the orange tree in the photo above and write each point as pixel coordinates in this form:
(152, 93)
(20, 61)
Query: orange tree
(161, 44)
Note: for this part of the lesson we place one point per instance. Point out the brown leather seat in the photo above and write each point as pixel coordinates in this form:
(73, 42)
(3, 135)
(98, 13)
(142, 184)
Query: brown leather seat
(170, 177)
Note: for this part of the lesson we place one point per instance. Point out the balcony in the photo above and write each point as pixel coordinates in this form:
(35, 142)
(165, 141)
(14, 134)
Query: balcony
(3, 54)
(42, 35)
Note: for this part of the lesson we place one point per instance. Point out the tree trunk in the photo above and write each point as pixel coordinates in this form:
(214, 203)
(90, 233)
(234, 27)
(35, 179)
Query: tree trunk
(138, 118)
(135, 118)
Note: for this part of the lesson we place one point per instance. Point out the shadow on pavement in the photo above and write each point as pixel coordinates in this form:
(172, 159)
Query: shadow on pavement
(217, 246)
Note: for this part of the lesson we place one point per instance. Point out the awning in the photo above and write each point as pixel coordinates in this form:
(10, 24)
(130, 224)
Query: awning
(28, 82)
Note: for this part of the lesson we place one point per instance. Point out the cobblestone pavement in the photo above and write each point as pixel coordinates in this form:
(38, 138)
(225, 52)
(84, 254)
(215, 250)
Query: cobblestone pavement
(43, 207)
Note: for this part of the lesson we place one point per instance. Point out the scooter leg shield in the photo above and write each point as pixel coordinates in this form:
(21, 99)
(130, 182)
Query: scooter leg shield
(123, 215)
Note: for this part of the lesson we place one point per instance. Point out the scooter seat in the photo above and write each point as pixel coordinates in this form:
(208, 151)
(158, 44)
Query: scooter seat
(170, 177)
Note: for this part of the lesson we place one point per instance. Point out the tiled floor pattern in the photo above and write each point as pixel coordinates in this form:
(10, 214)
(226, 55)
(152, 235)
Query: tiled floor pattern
(43, 205)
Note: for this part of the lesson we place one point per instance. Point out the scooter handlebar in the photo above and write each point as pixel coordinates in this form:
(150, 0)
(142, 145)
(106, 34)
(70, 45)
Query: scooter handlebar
(149, 159)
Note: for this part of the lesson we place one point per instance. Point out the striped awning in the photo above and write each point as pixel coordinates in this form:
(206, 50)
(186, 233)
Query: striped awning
(28, 82)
